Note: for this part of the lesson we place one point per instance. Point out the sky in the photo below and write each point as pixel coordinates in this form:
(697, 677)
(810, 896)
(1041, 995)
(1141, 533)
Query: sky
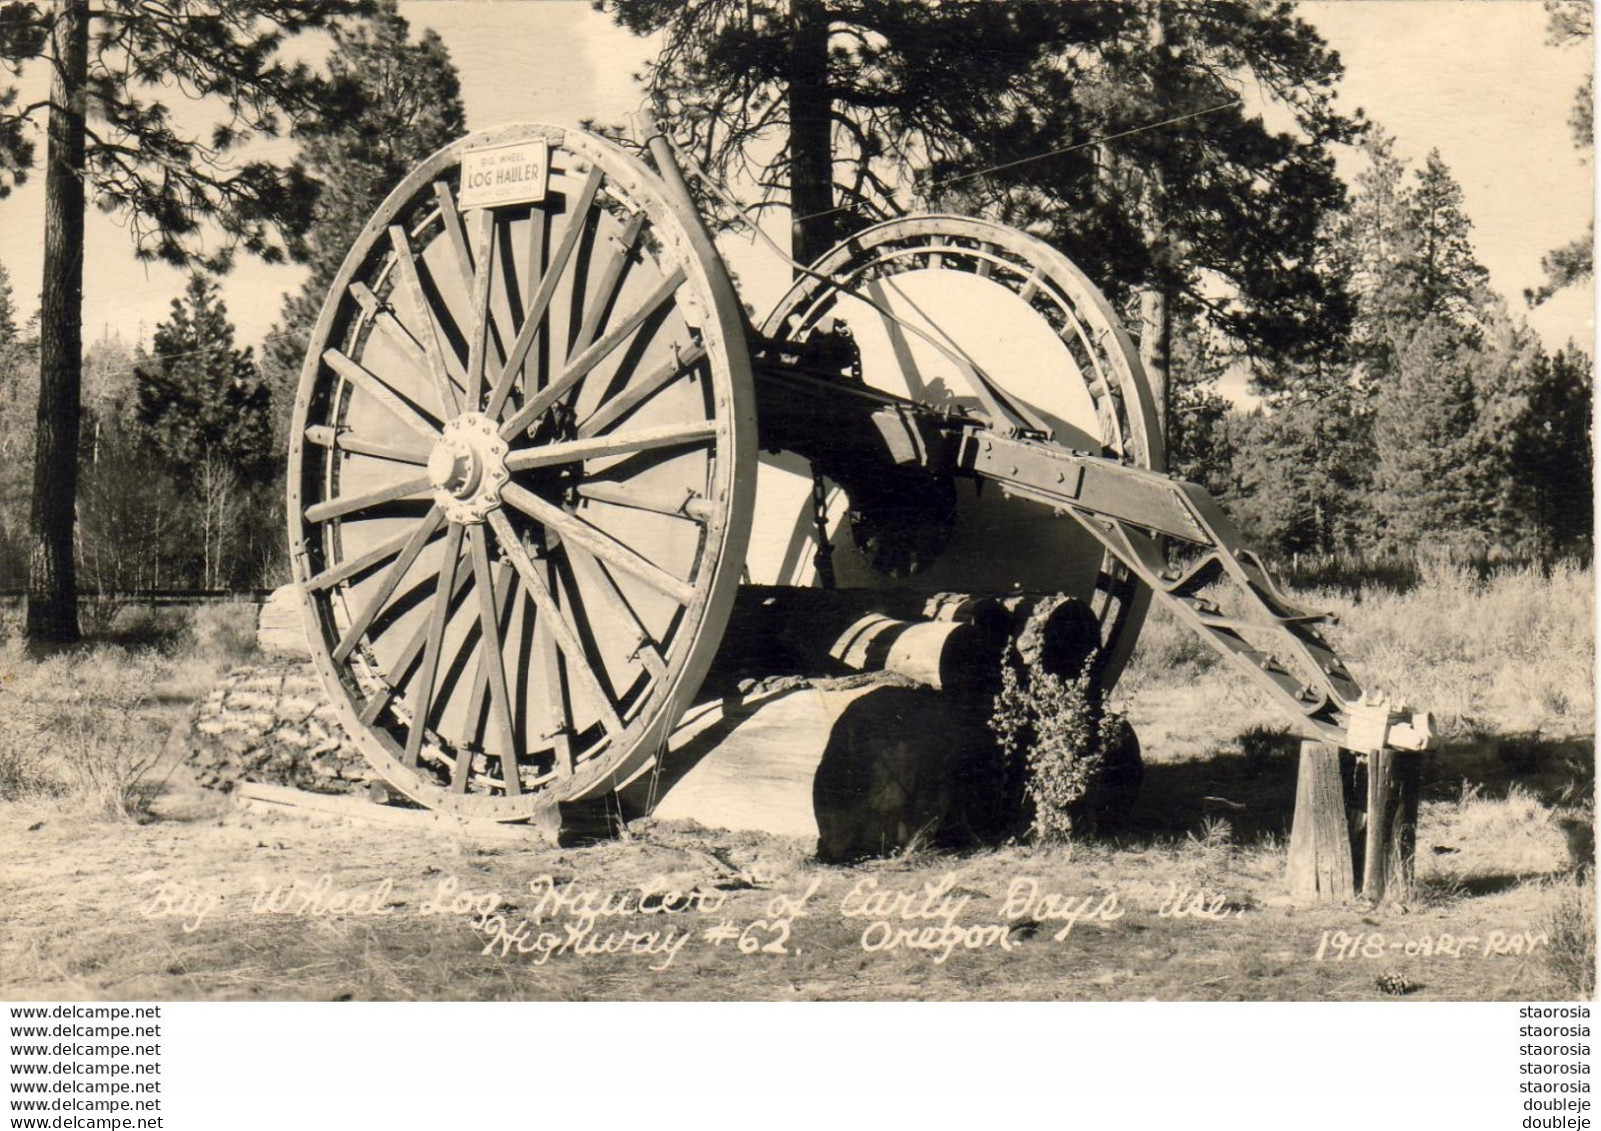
(1473, 78)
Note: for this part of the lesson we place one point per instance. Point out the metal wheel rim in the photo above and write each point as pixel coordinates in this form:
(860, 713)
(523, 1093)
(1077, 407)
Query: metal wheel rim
(640, 309)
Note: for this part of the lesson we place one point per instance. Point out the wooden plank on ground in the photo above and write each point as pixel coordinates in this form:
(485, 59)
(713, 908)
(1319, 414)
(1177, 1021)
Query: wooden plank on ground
(265, 797)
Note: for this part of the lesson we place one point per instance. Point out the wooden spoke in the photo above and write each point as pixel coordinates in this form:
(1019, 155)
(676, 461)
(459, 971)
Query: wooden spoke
(385, 322)
(481, 676)
(478, 343)
(386, 588)
(540, 303)
(611, 282)
(545, 606)
(326, 437)
(349, 504)
(490, 655)
(502, 322)
(640, 392)
(407, 659)
(375, 387)
(558, 702)
(472, 259)
(600, 544)
(450, 217)
(690, 505)
(410, 288)
(534, 262)
(350, 567)
(439, 617)
(580, 366)
(615, 444)
(644, 647)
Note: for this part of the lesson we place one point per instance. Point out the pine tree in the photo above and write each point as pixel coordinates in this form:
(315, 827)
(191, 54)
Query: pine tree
(18, 375)
(1198, 439)
(200, 398)
(1044, 114)
(110, 135)
(8, 311)
(1439, 272)
(1569, 23)
(1553, 457)
(1436, 477)
(1302, 473)
(396, 101)
(1367, 246)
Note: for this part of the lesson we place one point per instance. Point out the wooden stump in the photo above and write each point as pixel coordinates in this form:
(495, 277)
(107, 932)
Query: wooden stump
(1320, 867)
(1390, 843)
(280, 629)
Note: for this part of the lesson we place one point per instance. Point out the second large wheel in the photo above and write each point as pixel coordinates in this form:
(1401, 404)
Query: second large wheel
(520, 476)
(931, 302)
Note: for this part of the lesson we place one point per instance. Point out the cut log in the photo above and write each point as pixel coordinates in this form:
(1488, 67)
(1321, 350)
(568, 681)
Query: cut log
(280, 629)
(856, 770)
(864, 769)
(272, 798)
(949, 642)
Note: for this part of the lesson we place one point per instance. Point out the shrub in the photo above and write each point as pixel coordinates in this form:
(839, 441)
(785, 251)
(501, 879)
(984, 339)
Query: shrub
(144, 626)
(1056, 738)
(1264, 747)
(22, 771)
(78, 725)
(23, 774)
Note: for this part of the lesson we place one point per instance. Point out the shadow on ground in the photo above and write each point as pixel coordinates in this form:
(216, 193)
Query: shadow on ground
(1254, 790)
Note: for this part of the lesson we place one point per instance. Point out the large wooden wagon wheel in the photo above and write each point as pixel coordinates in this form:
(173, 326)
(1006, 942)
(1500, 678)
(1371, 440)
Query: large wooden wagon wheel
(922, 296)
(519, 478)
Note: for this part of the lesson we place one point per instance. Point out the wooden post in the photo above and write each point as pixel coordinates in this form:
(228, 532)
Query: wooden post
(1320, 846)
(1373, 856)
(1392, 818)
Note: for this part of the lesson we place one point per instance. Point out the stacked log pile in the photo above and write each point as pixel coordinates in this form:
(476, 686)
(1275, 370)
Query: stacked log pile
(273, 723)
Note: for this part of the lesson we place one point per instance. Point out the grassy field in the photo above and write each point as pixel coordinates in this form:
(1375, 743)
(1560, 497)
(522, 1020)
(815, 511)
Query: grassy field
(125, 880)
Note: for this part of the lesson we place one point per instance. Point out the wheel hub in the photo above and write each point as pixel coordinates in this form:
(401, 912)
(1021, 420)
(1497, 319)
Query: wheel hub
(468, 468)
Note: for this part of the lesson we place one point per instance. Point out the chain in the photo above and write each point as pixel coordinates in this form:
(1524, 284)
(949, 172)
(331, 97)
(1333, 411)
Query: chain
(823, 560)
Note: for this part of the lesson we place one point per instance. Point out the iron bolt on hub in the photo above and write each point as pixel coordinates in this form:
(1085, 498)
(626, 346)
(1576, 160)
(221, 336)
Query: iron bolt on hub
(468, 468)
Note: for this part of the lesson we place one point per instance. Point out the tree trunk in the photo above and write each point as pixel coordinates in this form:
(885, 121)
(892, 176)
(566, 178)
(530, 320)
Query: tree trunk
(52, 581)
(1156, 301)
(1156, 343)
(811, 152)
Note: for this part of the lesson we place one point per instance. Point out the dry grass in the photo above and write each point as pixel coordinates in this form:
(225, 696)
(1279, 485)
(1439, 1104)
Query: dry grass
(1512, 652)
(1482, 839)
(87, 937)
(78, 727)
(1571, 927)
(86, 726)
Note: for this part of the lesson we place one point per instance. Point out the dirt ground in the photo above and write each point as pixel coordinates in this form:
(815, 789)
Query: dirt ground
(215, 900)
(210, 899)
